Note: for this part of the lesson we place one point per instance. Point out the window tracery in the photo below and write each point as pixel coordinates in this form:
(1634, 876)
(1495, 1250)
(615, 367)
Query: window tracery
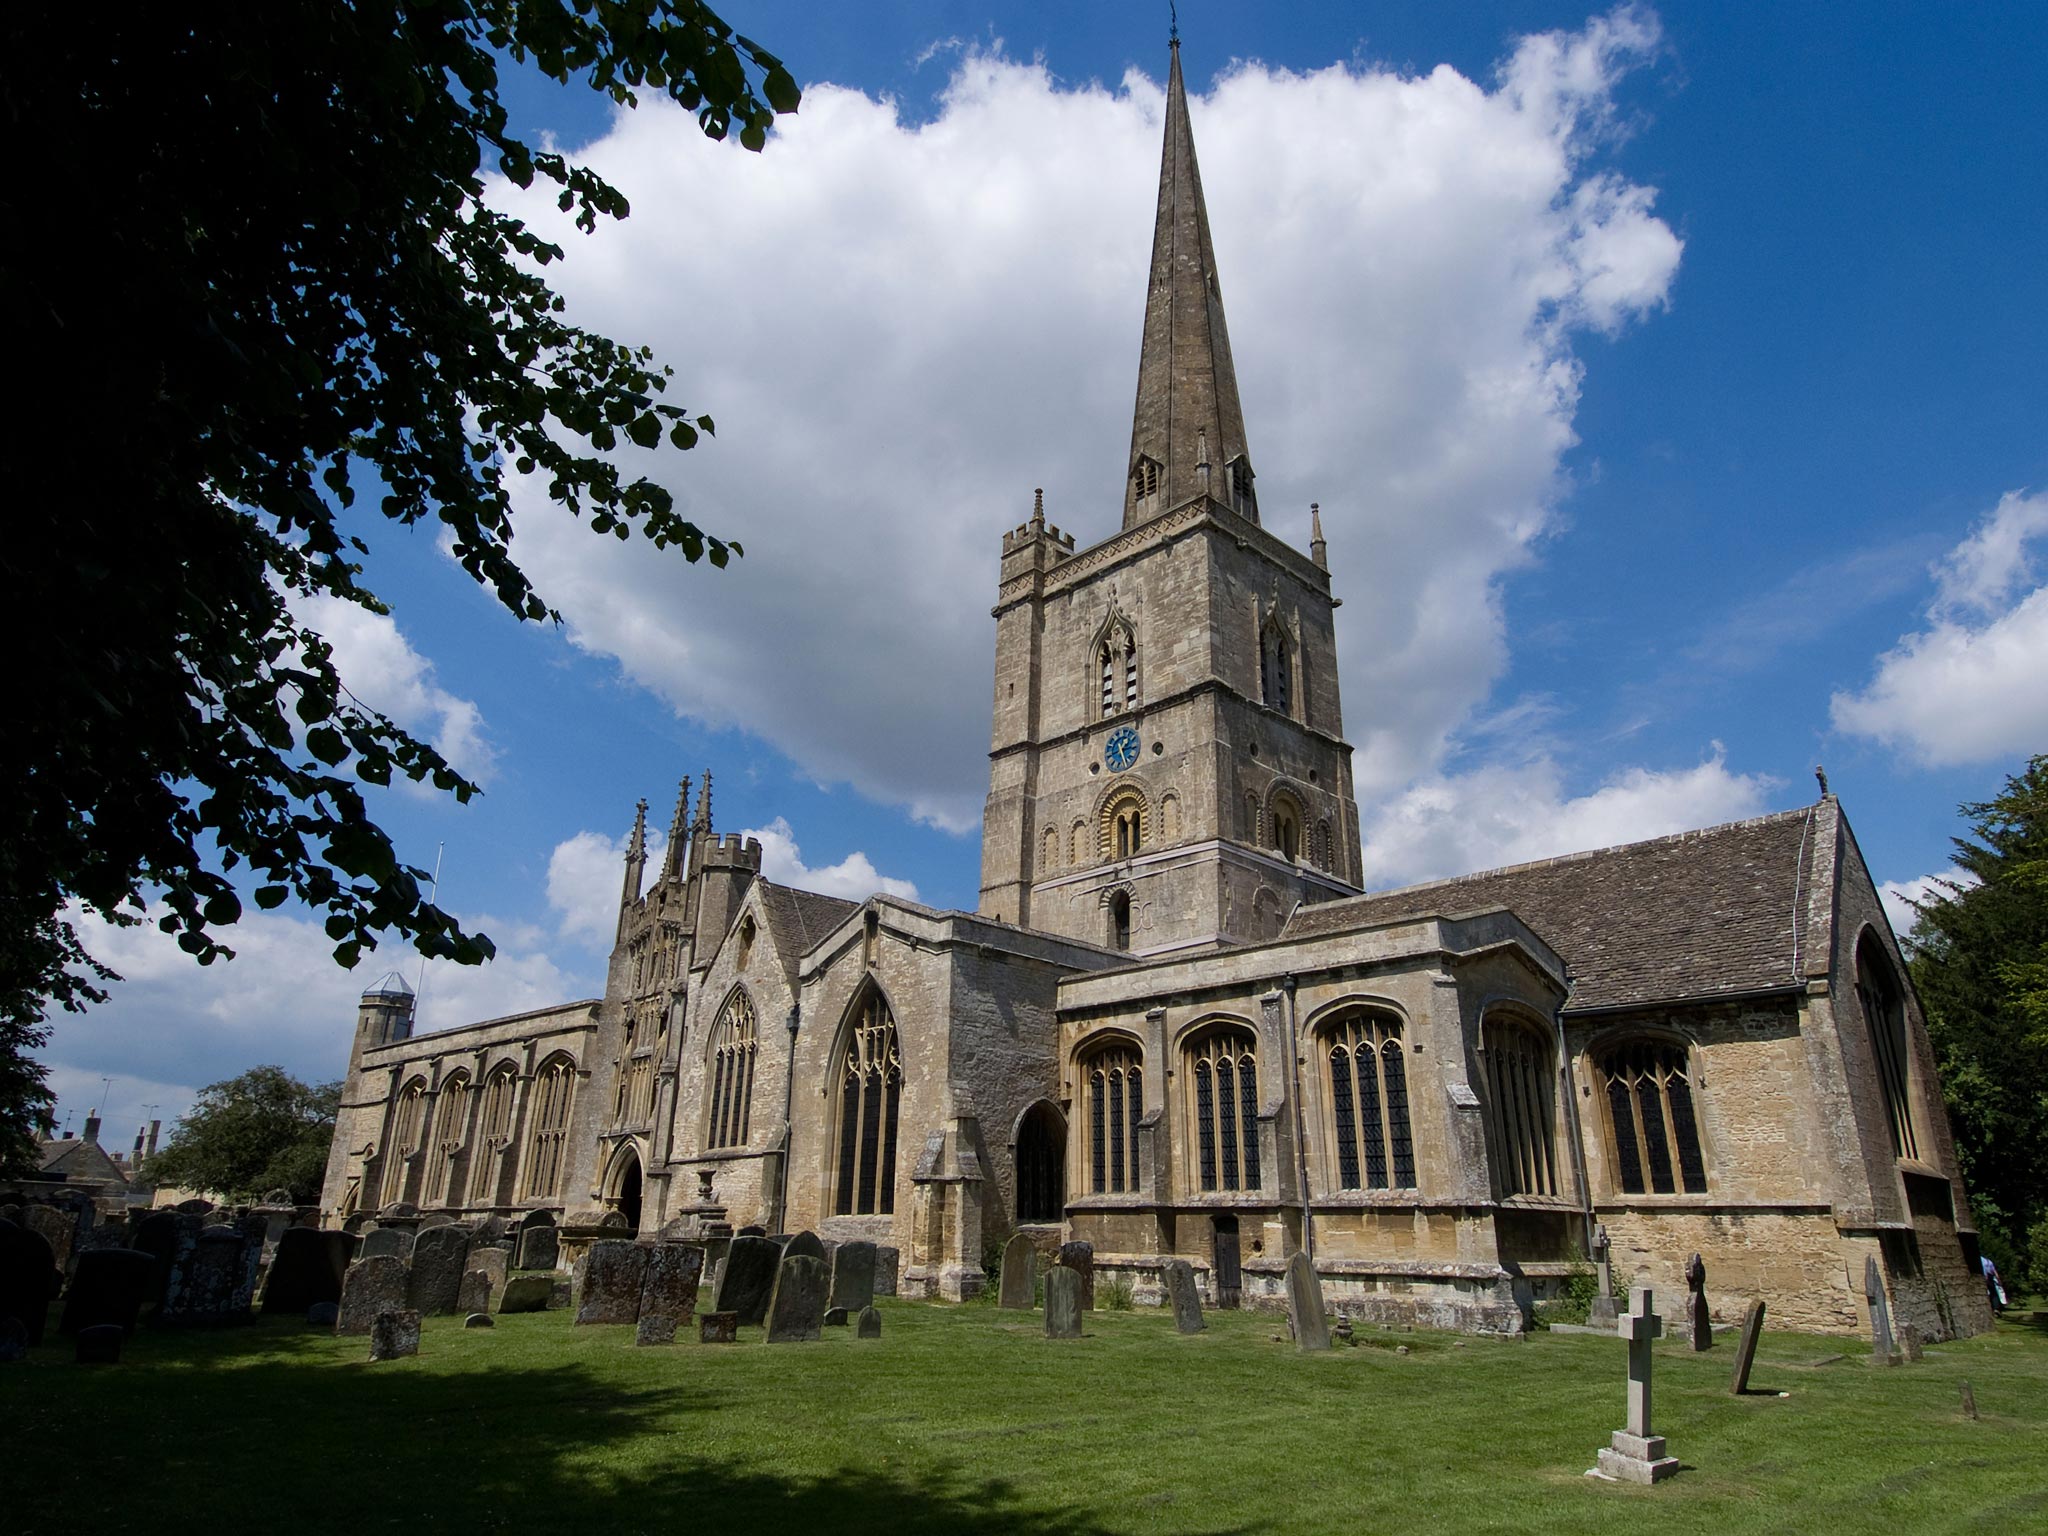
(553, 1087)
(407, 1124)
(1116, 1104)
(1366, 1073)
(451, 1123)
(732, 1073)
(494, 1129)
(1655, 1135)
(870, 1088)
(1522, 1115)
(1276, 676)
(1884, 1015)
(1223, 1105)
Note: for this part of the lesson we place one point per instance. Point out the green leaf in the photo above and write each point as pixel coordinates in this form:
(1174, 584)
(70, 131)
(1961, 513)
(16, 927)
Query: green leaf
(327, 744)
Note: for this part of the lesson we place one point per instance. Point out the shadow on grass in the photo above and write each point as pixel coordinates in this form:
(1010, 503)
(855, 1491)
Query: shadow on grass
(334, 1442)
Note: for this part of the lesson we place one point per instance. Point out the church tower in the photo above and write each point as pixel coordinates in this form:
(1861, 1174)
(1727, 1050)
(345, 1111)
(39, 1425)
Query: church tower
(1167, 768)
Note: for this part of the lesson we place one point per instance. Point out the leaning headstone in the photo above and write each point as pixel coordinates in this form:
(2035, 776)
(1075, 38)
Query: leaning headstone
(525, 1293)
(869, 1324)
(655, 1328)
(387, 1243)
(805, 1242)
(748, 1280)
(1636, 1454)
(1883, 1351)
(1601, 1313)
(718, 1328)
(797, 1308)
(1080, 1258)
(539, 1248)
(439, 1255)
(1305, 1304)
(307, 1268)
(108, 1287)
(887, 1261)
(479, 1320)
(14, 1342)
(613, 1272)
(1062, 1302)
(1909, 1342)
(323, 1314)
(668, 1287)
(1179, 1276)
(371, 1286)
(1745, 1352)
(853, 1275)
(395, 1334)
(28, 1278)
(1018, 1285)
(1699, 1331)
(99, 1344)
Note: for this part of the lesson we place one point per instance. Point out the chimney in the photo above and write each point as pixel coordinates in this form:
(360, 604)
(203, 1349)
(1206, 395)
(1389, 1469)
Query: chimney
(92, 1129)
(154, 1127)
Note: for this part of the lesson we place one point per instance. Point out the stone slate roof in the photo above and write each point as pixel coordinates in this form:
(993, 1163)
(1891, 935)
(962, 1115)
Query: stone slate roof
(799, 919)
(80, 1161)
(1703, 914)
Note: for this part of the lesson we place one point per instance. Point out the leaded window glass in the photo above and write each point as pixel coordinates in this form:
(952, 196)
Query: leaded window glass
(870, 1091)
(1368, 1093)
(1116, 1103)
(1223, 1070)
(1649, 1105)
(732, 1073)
(1521, 1120)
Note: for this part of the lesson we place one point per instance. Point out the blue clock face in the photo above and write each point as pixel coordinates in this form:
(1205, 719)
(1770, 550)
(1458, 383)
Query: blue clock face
(1121, 750)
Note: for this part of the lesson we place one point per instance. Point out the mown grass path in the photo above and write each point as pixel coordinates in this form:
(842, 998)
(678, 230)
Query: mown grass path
(967, 1419)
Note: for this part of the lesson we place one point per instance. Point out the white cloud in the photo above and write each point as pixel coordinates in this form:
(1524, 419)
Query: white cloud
(1453, 824)
(586, 873)
(1970, 686)
(379, 666)
(1898, 896)
(903, 329)
(853, 877)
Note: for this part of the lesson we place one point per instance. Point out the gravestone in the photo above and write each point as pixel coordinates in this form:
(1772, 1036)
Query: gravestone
(439, 1255)
(435, 1219)
(400, 1210)
(1909, 1342)
(751, 1231)
(99, 1344)
(307, 1268)
(387, 1243)
(159, 1234)
(1080, 1258)
(1062, 1302)
(1181, 1291)
(194, 1207)
(870, 1324)
(493, 1264)
(323, 1314)
(669, 1285)
(1017, 1288)
(395, 1334)
(479, 1319)
(1305, 1304)
(476, 1294)
(887, 1261)
(107, 1288)
(539, 1248)
(718, 1328)
(613, 1271)
(748, 1280)
(1883, 1351)
(11, 1211)
(656, 1328)
(1601, 1313)
(215, 1282)
(835, 1317)
(802, 1243)
(1636, 1454)
(372, 1285)
(1745, 1352)
(28, 1278)
(853, 1275)
(1699, 1332)
(614, 1221)
(797, 1308)
(525, 1293)
(491, 1232)
(534, 1219)
(560, 1292)
(14, 1341)
(57, 1228)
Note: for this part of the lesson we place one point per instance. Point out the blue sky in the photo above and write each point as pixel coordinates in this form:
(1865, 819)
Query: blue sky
(1672, 381)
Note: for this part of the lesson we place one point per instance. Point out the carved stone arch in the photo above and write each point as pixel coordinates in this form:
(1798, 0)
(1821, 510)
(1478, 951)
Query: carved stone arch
(731, 1060)
(402, 1163)
(1038, 1152)
(1081, 848)
(1647, 1082)
(866, 1082)
(1109, 1070)
(1518, 1065)
(1123, 822)
(1254, 822)
(551, 1107)
(449, 1140)
(625, 1180)
(1353, 1001)
(1217, 1058)
(1287, 819)
(1169, 817)
(1118, 903)
(1115, 675)
(1050, 858)
(1185, 1034)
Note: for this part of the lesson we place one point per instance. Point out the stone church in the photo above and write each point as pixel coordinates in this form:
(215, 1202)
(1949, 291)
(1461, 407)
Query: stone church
(1178, 1026)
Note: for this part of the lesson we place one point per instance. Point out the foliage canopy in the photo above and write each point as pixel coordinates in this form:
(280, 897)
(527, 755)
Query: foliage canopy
(260, 300)
(249, 1135)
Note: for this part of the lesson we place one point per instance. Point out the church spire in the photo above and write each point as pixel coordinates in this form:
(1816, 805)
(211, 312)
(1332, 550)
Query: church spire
(678, 833)
(1187, 433)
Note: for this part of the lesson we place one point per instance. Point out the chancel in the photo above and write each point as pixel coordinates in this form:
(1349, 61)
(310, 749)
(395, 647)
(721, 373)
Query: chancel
(1179, 1027)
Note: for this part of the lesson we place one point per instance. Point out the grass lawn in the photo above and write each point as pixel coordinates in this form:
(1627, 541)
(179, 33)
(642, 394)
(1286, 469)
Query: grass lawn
(968, 1419)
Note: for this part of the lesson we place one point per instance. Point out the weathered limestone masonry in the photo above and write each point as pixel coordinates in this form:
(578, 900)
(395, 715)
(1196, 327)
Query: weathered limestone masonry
(1177, 1028)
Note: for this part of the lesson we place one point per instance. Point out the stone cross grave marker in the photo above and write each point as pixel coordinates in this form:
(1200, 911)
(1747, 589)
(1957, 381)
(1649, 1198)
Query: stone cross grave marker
(1699, 1321)
(1601, 1313)
(1185, 1296)
(1636, 1454)
(1882, 1350)
(1020, 1259)
(1305, 1304)
(1062, 1302)
(1745, 1352)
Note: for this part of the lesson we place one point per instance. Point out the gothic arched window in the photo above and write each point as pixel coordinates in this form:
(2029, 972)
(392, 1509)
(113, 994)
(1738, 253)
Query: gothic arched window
(732, 1073)
(1222, 1071)
(408, 1122)
(494, 1129)
(451, 1123)
(1276, 675)
(1116, 1103)
(1116, 667)
(1367, 1078)
(1884, 1015)
(870, 1086)
(547, 1147)
(1656, 1137)
(1521, 1119)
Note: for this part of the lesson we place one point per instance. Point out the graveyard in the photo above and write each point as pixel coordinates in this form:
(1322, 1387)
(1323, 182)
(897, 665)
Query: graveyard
(969, 1417)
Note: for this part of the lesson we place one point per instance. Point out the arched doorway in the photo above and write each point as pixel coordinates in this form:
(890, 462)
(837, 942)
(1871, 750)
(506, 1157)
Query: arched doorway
(629, 1192)
(1041, 1165)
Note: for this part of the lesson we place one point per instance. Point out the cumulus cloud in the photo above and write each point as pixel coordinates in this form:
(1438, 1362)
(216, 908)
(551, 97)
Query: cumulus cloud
(1508, 814)
(1899, 896)
(853, 877)
(903, 328)
(585, 875)
(380, 667)
(1969, 687)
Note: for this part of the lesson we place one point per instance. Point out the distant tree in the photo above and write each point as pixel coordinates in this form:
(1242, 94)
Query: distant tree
(255, 303)
(261, 1131)
(1980, 964)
